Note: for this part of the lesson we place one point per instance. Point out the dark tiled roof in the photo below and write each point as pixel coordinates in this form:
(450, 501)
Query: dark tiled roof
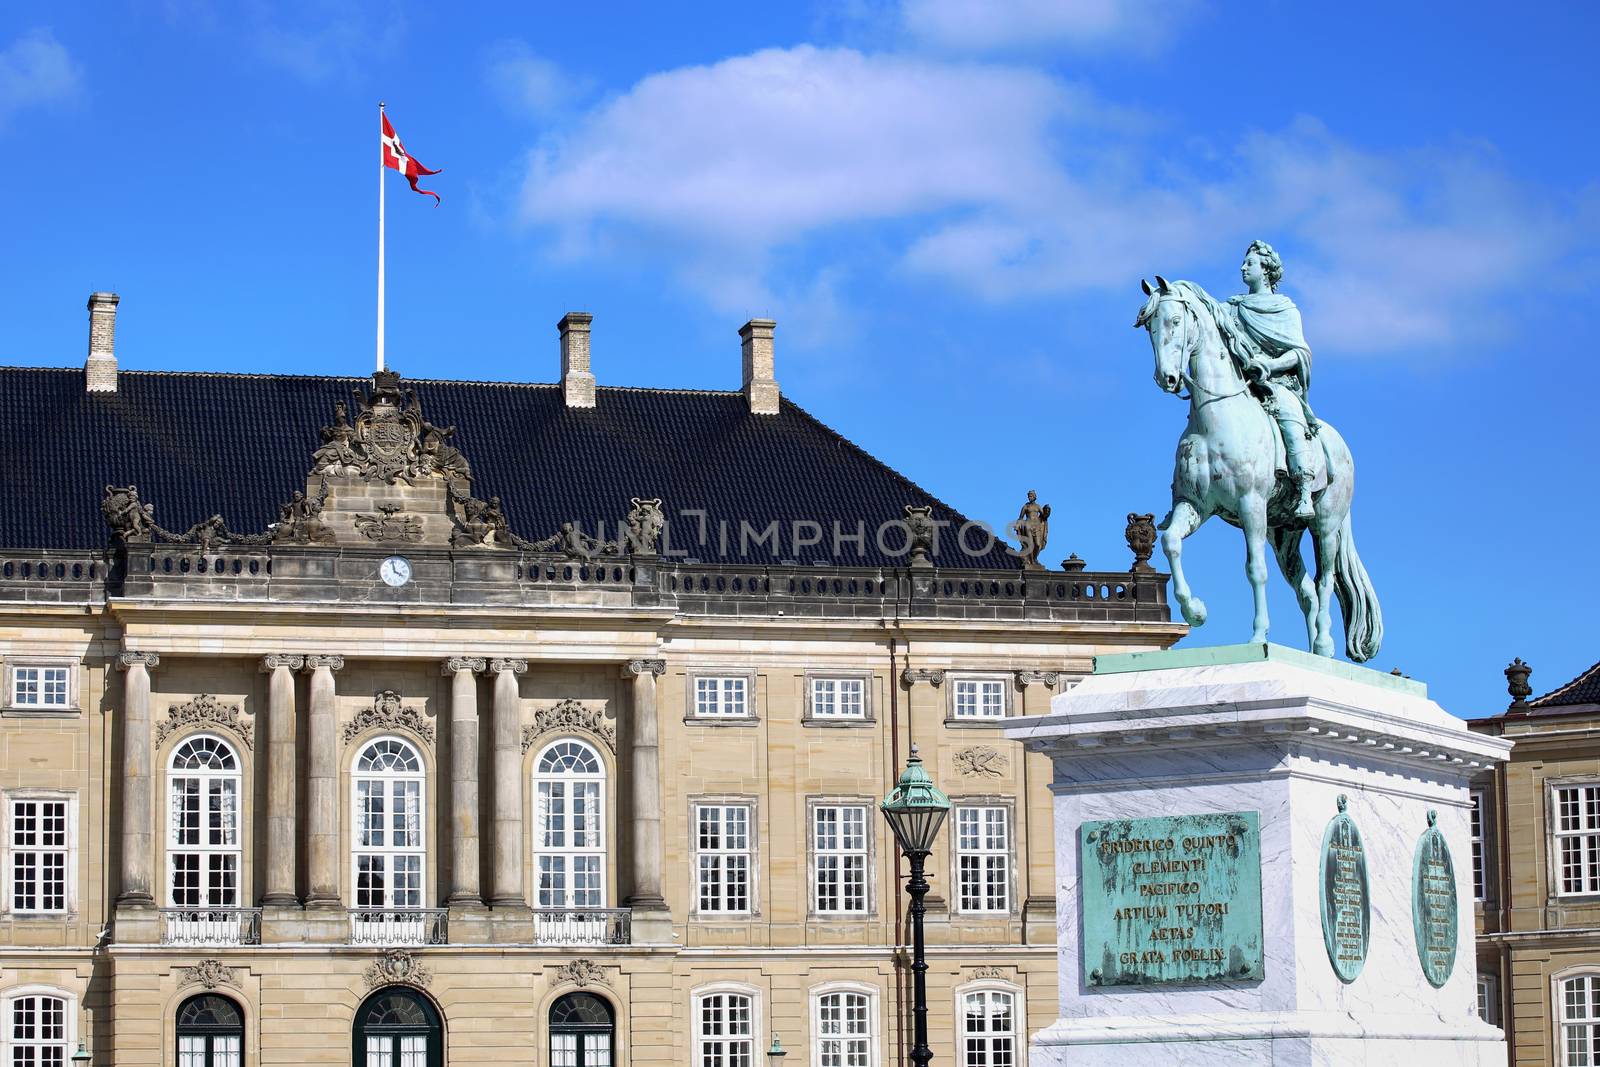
(239, 445)
(1582, 690)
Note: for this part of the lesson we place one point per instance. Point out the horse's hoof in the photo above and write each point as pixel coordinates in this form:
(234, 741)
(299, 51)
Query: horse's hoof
(1323, 648)
(1194, 612)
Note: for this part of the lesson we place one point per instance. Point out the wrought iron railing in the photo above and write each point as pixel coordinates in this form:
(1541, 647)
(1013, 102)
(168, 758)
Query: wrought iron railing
(398, 926)
(582, 926)
(210, 926)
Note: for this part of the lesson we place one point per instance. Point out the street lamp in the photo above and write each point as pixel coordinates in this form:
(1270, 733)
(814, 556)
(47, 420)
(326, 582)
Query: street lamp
(916, 809)
(777, 1052)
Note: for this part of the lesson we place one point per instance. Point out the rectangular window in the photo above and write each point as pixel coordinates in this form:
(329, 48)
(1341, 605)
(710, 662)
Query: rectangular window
(39, 687)
(1578, 838)
(1479, 879)
(721, 697)
(1489, 999)
(840, 853)
(722, 845)
(39, 850)
(1580, 1020)
(980, 698)
(838, 698)
(983, 858)
(844, 1030)
(988, 1029)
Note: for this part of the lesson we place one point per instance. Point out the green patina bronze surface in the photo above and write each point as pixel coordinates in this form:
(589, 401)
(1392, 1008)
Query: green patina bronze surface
(1433, 905)
(1255, 455)
(1346, 903)
(1253, 652)
(1172, 899)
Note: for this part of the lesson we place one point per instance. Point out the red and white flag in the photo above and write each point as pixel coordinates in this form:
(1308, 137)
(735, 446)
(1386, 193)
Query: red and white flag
(395, 157)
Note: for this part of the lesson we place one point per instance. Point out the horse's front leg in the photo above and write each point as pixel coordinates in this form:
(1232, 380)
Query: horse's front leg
(1183, 520)
(1253, 520)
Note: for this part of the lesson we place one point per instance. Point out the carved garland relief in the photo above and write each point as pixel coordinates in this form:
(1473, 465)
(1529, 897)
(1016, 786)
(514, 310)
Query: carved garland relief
(569, 715)
(387, 713)
(204, 711)
(208, 973)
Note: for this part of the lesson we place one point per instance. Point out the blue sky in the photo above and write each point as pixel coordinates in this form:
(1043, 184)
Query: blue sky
(947, 208)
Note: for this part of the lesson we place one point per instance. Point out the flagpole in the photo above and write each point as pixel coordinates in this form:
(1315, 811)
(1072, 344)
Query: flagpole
(380, 235)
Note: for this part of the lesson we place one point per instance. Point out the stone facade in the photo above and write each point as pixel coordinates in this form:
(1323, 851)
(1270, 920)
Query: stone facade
(302, 668)
(1538, 901)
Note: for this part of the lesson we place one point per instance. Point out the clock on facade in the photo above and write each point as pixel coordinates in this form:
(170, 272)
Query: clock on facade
(395, 571)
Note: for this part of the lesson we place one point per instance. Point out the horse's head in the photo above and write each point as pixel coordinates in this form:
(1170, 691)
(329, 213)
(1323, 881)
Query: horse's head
(1167, 316)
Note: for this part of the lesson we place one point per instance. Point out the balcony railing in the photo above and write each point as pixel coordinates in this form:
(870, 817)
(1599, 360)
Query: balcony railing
(210, 926)
(581, 926)
(398, 926)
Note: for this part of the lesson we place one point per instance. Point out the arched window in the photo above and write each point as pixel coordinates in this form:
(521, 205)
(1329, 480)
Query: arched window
(396, 1027)
(581, 1031)
(210, 1032)
(203, 850)
(1579, 1009)
(988, 1020)
(569, 827)
(724, 1028)
(842, 1020)
(389, 846)
(37, 1026)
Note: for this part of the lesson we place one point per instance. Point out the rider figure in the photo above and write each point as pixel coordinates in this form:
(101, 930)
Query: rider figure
(1263, 332)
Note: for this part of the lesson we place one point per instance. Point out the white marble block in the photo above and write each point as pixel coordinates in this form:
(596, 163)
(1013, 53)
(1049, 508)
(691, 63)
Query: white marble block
(1260, 728)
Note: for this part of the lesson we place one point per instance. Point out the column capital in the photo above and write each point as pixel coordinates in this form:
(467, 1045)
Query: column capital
(910, 677)
(1026, 678)
(515, 666)
(656, 667)
(333, 663)
(143, 659)
(457, 664)
(276, 660)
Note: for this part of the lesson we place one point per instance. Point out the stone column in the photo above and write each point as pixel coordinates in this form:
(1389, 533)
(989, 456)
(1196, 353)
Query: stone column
(281, 841)
(508, 858)
(137, 813)
(322, 785)
(465, 863)
(651, 920)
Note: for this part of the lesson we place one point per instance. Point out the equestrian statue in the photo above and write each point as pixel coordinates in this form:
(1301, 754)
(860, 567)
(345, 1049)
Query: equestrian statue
(1254, 454)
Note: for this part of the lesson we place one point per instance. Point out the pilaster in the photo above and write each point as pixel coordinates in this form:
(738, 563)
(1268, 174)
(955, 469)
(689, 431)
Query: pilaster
(652, 920)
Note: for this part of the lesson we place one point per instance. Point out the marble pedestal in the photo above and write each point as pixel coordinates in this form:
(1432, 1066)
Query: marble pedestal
(1264, 729)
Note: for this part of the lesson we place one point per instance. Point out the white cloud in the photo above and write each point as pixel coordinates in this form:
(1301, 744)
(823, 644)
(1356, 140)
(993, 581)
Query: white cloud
(755, 177)
(1026, 25)
(529, 84)
(36, 70)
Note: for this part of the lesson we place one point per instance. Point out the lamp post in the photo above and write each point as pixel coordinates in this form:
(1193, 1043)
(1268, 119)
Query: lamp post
(777, 1052)
(915, 809)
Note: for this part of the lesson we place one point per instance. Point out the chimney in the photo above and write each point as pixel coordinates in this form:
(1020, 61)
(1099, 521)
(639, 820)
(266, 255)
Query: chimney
(100, 372)
(577, 384)
(760, 387)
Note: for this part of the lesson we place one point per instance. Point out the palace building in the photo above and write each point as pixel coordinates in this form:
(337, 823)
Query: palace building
(1536, 873)
(422, 722)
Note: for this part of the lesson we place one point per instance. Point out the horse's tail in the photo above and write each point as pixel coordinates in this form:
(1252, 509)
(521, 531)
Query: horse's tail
(1358, 601)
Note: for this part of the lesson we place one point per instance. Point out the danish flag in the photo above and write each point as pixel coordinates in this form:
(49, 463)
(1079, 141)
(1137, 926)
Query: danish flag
(395, 158)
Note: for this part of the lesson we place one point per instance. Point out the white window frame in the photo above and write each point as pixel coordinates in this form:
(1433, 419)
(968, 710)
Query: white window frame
(1588, 838)
(758, 1027)
(864, 855)
(1477, 828)
(717, 685)
(1488, 987)
(1019, 1019)
(204, 850)
(69, 669)
(825, 689)
(69, 1012)
(983, 853)
(388, 778)
(955, 716)
(873, 1032)
(569, 784)
(749, 853)
(8, 852)
(1558, 1013)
